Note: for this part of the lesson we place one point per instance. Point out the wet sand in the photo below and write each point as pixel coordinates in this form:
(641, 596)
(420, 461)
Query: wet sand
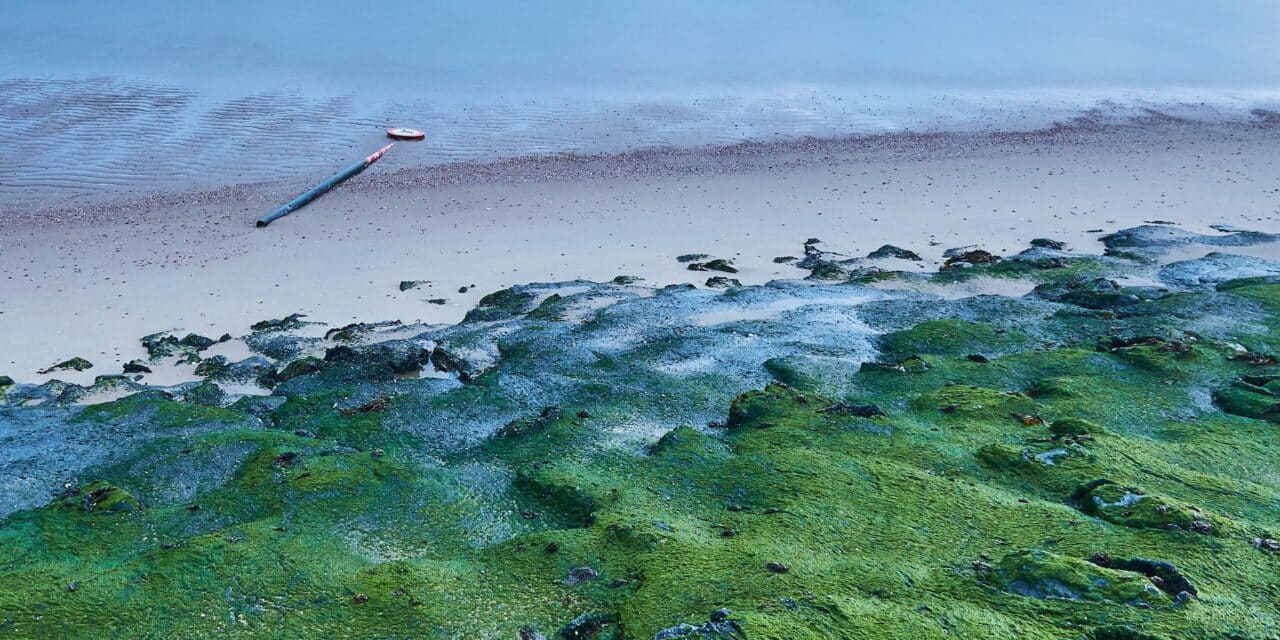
(89, 280)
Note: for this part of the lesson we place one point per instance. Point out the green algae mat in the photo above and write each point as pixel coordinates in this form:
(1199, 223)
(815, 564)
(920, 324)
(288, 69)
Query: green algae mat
(818, 458)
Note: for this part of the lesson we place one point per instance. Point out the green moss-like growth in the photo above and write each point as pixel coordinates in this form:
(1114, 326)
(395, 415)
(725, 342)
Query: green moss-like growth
(1040, 574)
(1073, 427)
(929, 495)
(972, 401)
(951, 337)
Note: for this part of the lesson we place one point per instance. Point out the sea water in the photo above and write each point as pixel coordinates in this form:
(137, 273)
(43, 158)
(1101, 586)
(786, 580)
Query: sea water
(132, 96)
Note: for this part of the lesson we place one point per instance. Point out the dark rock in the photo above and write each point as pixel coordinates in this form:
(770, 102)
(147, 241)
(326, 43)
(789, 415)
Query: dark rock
(586, 626)
(445, 359)
(551, 547)
(255, 369)
(719, 627)
(890, 251)
(719, 264)
(1159, 238)
(1164, 575)
(529, 633)
(691, 257)
(1266, 544)
(379, 403)
(288, 323)
(978, 358)
(406, 285)
(161, 345)
(859, 410)
(503, 304)
(955, 251)
(6, 381)
(440, 301)
(359, 598)
(1119, 632)
(287, 459)
(300, 367)
(579, 575)
(357, 330)
(1090, 293)
(626, 280)
(777, 567)
(208, 367)
(721, 282)
(784, 259)
(1046, 243)
(912, 364)
(206, 393)
(77, 364)
(197, 342)
(134, 366)
(1216, 268)
(970, 258)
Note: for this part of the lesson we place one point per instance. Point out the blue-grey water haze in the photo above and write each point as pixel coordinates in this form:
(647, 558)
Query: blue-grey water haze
(130, 96)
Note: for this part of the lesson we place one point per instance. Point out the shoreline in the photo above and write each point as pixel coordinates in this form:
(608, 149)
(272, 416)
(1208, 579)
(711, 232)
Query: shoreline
(1090, 126)
(90, 282)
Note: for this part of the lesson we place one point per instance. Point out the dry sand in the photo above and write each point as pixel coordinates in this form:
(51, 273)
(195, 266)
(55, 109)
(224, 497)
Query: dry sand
(90, 279)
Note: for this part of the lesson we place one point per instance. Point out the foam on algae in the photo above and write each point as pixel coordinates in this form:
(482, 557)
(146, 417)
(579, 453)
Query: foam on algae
(812, 459)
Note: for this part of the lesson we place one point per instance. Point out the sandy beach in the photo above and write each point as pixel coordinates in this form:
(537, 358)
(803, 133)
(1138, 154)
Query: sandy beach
(89, 281)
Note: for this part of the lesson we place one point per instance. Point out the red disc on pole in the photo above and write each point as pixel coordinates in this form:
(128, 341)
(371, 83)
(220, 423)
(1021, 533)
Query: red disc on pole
(401, 133)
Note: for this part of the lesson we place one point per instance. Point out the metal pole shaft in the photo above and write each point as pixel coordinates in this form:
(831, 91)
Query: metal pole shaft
(318, 190)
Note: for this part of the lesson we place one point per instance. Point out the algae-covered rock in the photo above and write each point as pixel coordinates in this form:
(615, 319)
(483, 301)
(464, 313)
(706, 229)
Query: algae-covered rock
(975, 402)
(1130, 507)
(753, 407)
(1073, 427)
(1048, 243)
(721, 282)
(951, 337)
(1164, 575)
(1217, 268)
(1090, 293)
(206, 393)
(504, 304)
(287, 323)
(74, 364)
(719, 264)
(1040, 574)
(910, 364)
(692, 257)
(1251, 397)
(970, 258)
(300, 367)
(1153, 238)
(101, 497)
(719, 627)
(890, 251)
(591, 626)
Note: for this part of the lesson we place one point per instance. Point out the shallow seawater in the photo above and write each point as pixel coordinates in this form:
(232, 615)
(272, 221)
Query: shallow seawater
(119, 98)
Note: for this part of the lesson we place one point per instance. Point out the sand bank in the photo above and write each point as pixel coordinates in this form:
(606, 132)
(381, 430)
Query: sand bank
(89, 280)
